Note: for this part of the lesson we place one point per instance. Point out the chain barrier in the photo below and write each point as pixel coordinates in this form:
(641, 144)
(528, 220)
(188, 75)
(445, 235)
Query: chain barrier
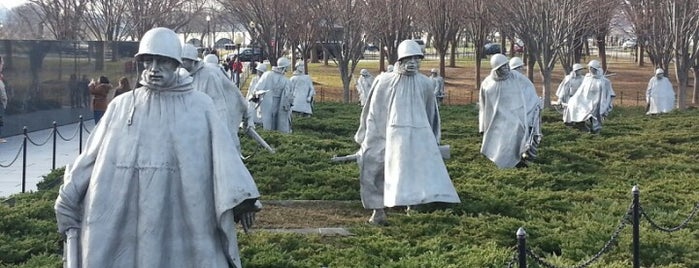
(512, 262)
(68, 139)
(673, 229)
(16, 157)
(39, 144)
(86, 130)
(615, 235)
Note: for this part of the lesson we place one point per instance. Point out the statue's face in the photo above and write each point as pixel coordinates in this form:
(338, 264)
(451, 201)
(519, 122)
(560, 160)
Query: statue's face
(410, 65)
(659, 76)
(503, 70)
(188, 64)
(578, 72)
(593, 71)
(160, 71)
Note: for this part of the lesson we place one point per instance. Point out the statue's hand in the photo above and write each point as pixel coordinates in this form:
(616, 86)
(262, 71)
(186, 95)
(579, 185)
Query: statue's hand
(245, 213)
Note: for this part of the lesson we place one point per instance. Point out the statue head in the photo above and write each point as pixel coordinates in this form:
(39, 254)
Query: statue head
(409, 57)
(160, 53)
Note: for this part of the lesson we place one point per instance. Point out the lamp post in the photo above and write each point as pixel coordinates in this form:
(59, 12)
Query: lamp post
(208, 30)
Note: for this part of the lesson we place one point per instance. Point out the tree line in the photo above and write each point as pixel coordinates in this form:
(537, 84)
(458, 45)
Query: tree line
(553, 31)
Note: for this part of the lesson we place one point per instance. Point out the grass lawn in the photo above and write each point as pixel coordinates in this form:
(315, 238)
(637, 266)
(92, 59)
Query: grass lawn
(569, 201)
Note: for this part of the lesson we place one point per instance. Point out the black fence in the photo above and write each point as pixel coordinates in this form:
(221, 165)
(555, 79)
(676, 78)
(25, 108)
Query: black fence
(633, 216)
(53, 136)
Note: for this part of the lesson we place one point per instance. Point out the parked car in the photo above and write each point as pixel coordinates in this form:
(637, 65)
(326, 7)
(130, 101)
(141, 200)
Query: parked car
(371, 48)
(491, 48)
(252, 54)
(629, 44)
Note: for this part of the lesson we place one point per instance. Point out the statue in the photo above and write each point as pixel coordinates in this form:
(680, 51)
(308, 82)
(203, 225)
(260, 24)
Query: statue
(570, 84)
(509, 116)
(660, 97)
(364, 85)
(253, 100)
(160, 183)
(399, 160)
(592, 102)
(302, 86)
(278, 98)
(516, 64)
(438, 85)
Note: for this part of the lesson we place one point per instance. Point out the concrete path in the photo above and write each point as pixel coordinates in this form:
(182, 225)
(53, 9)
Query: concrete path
(39, 158)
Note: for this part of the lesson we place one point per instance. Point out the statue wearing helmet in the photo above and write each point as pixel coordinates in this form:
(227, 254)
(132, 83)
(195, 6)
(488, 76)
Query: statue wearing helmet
(399, 136)
(157, 171)
(592, 102)
(569, 85)
(660, 97)
(211, 79)
(303, 91)
(255, 100)
(516, 64)
(509, 116)
(438, 84)
(364, 85)
(277, 97)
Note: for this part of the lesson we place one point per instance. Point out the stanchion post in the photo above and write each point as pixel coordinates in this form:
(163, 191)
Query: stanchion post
(24, 160)
(80, 139)
(522, 248)
(470, 98)
(622, 97)
(636, 234)
(53, 159)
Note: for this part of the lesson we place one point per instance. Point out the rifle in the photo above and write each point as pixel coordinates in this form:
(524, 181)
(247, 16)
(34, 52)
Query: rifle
(250, 131)
(71, 248)
(444, 150)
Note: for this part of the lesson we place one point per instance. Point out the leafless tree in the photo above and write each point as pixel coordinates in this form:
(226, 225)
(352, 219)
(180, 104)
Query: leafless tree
(390, 23)
(543, 25)
(61, 17)
(352, 40)
(304, 27)
(441, 19)
(684, 26)
(145, 15)
(479, 23)
(265, 20)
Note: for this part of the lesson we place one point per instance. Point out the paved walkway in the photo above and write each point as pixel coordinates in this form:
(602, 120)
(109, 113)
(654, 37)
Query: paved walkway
(39, 158)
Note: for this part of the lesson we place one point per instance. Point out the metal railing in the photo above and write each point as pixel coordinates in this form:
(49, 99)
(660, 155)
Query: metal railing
(54, 135)
(633, 215)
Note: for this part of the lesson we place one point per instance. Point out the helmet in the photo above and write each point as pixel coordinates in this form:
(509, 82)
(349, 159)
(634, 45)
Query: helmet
(516, 62)
(409, 48)
(434, 70)
(190, 52)
(577, 66)
(162, 42)
(659, 71)
(594, 64)
(283, 62)
(261, 67)
(300, 67)
(364, 72)
(497, 61)
(211, 58)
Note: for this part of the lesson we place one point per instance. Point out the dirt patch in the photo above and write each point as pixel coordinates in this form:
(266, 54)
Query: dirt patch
(310, 214)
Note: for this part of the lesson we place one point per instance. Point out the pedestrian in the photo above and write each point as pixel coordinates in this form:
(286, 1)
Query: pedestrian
(592, 102)
(160, 183)
(660, 97)
(100, 96)
(237, 68)
(124, 86)
(509, 116)
(399, 135)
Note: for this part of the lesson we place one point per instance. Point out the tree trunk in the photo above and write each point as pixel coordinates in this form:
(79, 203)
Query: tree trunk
(452, 57)
(587, 46)
(546, 93)
(602, 47)
(478, 69)
(681, 88)
(695, 92)
(530, 67)
(442, 62)
(639, 54)
(345, 81)
(382, 58)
